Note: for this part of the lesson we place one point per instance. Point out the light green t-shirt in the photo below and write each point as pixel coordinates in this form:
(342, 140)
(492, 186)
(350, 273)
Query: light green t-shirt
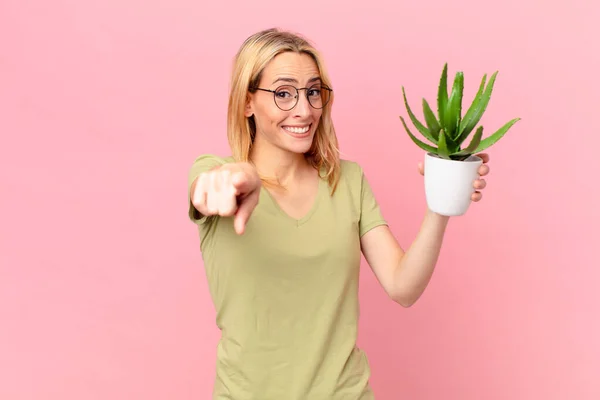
(286, 293)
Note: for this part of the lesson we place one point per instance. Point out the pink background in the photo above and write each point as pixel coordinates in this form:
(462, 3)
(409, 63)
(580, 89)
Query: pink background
(105, 104)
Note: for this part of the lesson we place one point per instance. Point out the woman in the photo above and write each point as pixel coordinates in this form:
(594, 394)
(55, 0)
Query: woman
(282, 223)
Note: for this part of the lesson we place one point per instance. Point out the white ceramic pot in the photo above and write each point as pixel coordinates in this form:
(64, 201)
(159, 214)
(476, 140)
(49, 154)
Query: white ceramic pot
(449, 183)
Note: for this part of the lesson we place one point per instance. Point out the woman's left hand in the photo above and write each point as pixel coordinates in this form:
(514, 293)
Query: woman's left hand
(478, 184)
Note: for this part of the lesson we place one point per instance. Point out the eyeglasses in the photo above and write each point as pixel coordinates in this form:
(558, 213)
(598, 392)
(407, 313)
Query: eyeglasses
(286, 96)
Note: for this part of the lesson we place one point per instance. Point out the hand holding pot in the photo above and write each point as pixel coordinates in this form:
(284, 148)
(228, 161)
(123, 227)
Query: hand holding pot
(479, 183)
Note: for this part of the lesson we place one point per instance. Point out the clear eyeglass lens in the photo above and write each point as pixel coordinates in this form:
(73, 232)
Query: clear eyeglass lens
(286, 97)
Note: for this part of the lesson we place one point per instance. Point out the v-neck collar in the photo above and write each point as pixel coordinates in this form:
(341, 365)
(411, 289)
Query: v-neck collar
(297, 221)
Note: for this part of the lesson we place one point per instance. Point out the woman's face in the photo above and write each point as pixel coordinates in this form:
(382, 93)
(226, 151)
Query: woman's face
(292, 130)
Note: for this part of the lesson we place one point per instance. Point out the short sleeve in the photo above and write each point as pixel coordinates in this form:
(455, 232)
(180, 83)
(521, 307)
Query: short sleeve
(202, 163)
(370, 212)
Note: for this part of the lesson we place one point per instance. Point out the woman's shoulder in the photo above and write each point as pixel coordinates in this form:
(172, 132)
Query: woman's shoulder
(351, 176)
(212, 159)
(350, 169)
(205, 162)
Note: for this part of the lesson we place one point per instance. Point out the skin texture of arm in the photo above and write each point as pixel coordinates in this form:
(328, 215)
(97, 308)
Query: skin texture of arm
(405, 275)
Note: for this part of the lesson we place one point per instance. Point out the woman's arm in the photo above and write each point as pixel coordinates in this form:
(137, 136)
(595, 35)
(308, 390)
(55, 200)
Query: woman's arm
(405, 275)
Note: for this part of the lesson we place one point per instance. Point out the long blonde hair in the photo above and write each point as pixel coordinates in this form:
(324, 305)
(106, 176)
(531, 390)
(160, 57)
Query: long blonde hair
(249, 63)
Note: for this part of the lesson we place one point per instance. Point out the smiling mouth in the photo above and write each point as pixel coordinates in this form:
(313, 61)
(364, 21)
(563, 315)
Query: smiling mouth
(297, 130)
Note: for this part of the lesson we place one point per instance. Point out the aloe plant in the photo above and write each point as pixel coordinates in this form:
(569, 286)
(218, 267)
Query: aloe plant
(450, 128)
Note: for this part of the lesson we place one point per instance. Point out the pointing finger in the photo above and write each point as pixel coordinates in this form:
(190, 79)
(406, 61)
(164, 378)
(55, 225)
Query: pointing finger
(244, 211)
(241, 182)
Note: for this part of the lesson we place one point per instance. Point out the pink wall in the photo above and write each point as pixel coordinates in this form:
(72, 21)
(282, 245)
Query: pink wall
(103, 106)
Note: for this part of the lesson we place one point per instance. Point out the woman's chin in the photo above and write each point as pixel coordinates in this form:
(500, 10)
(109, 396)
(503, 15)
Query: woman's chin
(299, 148)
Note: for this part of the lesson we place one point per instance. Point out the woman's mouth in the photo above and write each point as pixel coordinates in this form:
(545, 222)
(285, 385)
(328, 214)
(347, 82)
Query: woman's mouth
(298, 131)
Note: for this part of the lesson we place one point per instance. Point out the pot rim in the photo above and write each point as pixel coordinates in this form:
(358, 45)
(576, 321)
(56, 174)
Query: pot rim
(472, 158)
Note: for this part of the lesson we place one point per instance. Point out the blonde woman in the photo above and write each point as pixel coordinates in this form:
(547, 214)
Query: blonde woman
(282, 224)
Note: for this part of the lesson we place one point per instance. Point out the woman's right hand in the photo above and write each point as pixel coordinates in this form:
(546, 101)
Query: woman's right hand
(228, 190)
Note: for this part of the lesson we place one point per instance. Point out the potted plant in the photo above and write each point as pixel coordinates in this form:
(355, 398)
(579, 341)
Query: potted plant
(449, 168)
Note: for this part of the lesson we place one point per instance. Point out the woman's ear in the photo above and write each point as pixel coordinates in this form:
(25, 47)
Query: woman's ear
(248, 110)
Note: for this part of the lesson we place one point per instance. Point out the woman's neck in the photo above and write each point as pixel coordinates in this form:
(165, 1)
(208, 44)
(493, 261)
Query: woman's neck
(279, 165)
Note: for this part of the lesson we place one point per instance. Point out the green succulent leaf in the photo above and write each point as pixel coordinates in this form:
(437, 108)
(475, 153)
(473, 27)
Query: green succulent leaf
(451, 144)
(494, 137)
(474, 105)
(424, 130)
(442, 97)
(442, 146)
(477, 108)
(431, 120)
(422, 145)
(470, 149)
(452, 115)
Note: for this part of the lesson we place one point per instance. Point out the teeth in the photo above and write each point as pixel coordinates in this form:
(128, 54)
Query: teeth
(296, 129)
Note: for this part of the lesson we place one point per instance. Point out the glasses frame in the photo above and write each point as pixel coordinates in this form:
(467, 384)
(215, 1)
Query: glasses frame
(323, 87)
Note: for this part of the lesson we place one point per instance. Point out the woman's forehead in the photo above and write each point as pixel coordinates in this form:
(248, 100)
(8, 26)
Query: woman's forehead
(291, 67)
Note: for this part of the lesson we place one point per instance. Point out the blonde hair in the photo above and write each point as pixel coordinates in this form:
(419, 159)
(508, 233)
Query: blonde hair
(250, 61)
